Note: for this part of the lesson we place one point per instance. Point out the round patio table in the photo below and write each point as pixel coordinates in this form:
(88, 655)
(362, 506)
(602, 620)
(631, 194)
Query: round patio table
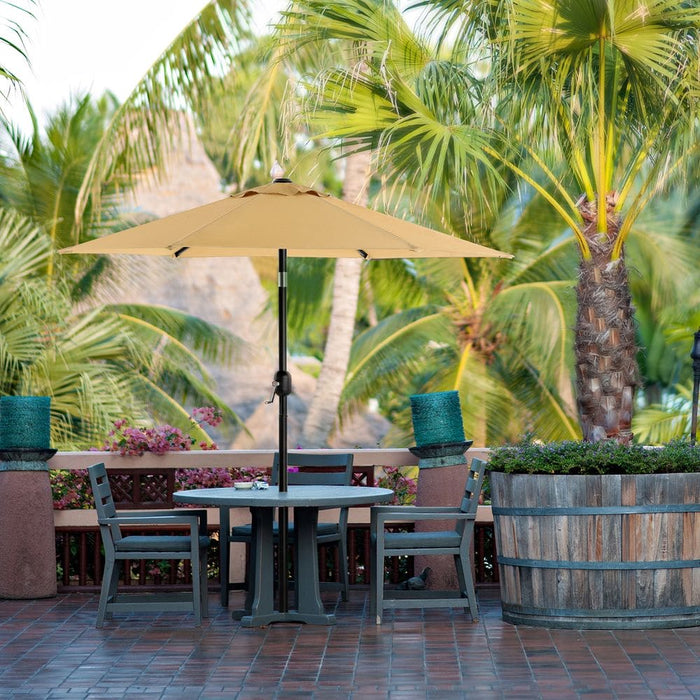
(306, 502)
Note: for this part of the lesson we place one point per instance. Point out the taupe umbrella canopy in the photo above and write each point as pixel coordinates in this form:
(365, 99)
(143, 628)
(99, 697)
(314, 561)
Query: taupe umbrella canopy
(284, 215)
(282, 219)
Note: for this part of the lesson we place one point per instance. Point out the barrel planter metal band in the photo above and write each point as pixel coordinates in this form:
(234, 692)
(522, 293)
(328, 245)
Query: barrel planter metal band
(600, 565)
(598, 552)
(601, 510)
(568, 618)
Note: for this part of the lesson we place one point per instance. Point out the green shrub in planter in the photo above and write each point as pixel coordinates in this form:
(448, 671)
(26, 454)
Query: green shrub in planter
(595, 458)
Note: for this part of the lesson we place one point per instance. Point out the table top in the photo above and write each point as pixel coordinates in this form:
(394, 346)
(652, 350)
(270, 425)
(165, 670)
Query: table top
(296, 496)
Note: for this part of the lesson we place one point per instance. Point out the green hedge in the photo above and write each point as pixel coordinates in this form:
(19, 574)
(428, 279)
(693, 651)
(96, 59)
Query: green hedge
(594, 458)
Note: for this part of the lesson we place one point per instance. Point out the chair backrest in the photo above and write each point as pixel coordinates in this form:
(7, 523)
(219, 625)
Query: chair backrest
(316, 469)
(104, 503)
(472, 490)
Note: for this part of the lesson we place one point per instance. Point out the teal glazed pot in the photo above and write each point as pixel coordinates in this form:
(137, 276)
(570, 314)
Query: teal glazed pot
(438, 429)
(437, 418)
(25, 422)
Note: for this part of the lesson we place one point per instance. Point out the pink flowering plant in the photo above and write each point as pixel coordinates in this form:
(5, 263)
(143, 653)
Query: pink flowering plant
(217, 477)
(71, 489)
(131, 440)
(404, 487)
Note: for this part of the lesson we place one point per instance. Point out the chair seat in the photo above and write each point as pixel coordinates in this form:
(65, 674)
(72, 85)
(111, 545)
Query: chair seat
(246, 531)
(157, 543)
(418, 540)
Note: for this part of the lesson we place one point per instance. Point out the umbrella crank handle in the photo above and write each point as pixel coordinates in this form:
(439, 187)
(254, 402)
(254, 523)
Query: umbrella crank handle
(281, 385)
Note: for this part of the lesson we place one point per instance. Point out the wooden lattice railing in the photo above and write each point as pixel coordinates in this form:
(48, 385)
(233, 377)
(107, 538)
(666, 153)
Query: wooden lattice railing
(149, 481)
(79, 561)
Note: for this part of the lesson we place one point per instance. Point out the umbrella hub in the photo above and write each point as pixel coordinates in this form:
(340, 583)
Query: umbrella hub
(281, 385)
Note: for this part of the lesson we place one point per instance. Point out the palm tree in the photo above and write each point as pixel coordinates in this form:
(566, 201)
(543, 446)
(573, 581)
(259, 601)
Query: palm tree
(322, 415)
(616, 84)
(132, 144)
(159, 365)
(605, 94)
(498, 332)
(42, 172)
(46, 349)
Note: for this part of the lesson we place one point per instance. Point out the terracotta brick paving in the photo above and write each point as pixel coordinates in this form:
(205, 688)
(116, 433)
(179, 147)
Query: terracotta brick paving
(51, 649)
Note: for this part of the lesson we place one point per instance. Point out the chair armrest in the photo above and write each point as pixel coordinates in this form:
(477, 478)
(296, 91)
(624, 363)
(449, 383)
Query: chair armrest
(415, 509)
(160, 515)
(382, 514)
(125, 520)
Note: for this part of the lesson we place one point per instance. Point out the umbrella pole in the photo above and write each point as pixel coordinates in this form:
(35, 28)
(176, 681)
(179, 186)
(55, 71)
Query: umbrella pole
(283, 389)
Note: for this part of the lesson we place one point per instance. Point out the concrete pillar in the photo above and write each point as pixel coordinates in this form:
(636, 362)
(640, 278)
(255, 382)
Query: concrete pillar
(27, 532)
(439, 486)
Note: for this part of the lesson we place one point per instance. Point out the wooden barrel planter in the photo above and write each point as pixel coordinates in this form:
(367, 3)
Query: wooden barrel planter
(598, 552)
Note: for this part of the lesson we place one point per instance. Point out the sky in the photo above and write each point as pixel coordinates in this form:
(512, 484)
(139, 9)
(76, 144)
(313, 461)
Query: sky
(78, 46)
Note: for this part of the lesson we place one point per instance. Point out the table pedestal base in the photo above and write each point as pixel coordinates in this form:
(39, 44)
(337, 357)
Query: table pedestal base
(248, 620)
(259, 605)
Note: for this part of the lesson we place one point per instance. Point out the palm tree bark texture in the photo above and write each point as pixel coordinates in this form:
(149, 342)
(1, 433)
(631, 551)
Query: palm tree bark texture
(607, 373)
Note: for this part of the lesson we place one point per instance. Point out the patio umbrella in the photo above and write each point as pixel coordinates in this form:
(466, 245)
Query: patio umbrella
(283, 219)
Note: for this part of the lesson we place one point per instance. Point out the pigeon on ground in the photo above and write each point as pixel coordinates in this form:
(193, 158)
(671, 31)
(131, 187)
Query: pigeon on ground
(416, 583)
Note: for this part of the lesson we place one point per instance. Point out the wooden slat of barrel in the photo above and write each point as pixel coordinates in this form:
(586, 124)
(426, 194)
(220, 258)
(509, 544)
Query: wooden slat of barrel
(611, 534)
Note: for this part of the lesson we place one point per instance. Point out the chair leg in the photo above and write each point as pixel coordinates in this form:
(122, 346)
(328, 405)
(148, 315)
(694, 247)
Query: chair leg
(376, 594)
(466, 584)
(197, 589)
(110, 581)
(343, 566)
(204, 583)
(224, 553)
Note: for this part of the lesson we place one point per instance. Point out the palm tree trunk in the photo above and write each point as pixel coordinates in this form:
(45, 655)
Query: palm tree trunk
(607, 373)
(323, 409)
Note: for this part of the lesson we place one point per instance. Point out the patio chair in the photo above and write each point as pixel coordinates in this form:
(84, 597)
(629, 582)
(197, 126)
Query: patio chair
(316, 469)
(455, 541)
(119, 547)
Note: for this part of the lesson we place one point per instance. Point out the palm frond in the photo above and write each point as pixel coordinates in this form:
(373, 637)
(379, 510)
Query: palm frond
(662, 262)
(151, 118)
(13, 38)
(384, 355)
(214, 343)
(661, 423)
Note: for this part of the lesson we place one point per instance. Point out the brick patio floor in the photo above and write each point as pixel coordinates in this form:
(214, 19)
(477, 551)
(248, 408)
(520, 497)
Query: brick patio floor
(51, 649)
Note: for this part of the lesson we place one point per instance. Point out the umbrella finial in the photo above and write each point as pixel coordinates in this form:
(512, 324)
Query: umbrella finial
(276, 171)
